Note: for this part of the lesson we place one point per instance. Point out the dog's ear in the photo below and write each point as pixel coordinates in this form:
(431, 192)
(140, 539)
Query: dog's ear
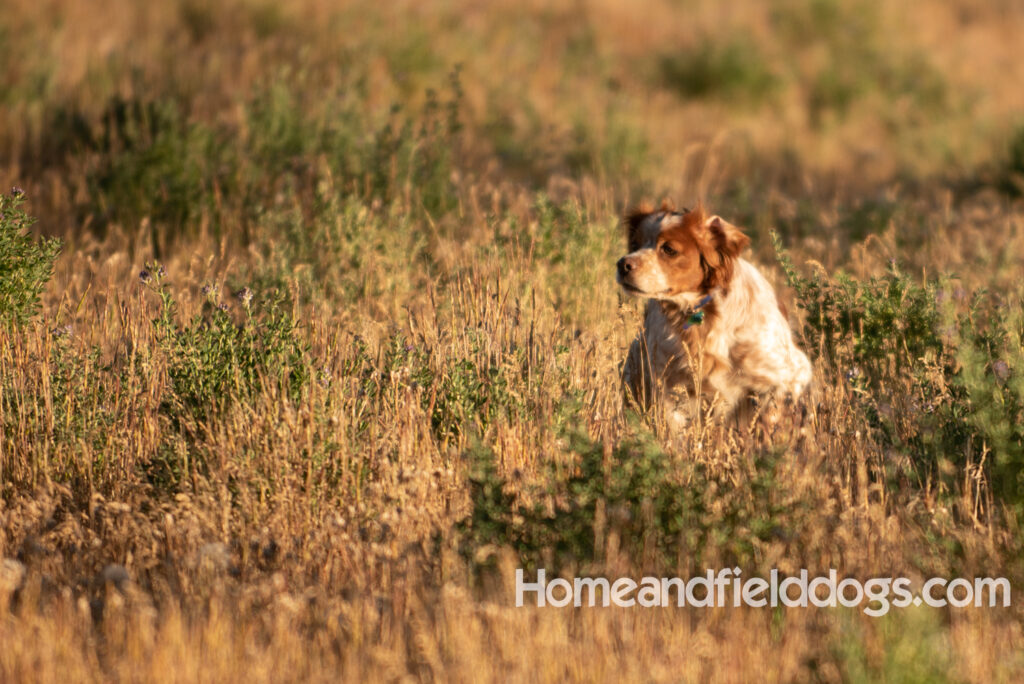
(729, 240)
(632, 220)
(720, 247)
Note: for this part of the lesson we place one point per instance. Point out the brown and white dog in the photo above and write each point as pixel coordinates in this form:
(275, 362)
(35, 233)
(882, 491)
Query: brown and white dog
(713, 325)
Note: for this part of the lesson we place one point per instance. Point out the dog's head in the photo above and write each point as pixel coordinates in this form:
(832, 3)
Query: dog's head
(678, 256)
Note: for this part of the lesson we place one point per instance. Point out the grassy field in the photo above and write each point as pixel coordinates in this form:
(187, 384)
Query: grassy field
(330, 341)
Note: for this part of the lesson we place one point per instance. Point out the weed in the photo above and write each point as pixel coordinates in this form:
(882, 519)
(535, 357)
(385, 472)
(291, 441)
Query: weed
(26, 264)
(155, 165)
(960, 394)
(656, 508)
(216, 359)
(1012, 182)
(733, 70)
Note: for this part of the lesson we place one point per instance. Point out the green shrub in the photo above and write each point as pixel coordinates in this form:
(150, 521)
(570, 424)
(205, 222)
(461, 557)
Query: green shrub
(732, 69)
(990, 377)
(665, 513)
(1012, 182)
(155, 164)
(150, 160)
(214, 359)
(462, 396)
(937, 375)
(883, 324)
(26, 264)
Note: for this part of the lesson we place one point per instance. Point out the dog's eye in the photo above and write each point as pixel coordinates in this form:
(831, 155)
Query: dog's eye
(667, 249)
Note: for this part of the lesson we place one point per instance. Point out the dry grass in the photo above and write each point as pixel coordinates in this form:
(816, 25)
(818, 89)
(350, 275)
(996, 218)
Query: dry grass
(452, 286)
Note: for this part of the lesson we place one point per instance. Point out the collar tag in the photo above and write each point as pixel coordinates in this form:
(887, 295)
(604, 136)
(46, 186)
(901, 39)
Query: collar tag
(696, 316)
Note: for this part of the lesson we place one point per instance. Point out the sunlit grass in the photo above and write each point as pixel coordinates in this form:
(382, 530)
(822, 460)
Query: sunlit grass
(333, 343)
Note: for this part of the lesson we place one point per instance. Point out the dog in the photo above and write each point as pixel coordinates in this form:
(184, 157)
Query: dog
(713, 327)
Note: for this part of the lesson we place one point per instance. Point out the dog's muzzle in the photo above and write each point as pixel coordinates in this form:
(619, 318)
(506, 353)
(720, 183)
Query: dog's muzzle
(625, 266)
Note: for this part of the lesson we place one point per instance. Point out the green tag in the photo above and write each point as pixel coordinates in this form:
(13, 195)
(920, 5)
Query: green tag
(696, 318)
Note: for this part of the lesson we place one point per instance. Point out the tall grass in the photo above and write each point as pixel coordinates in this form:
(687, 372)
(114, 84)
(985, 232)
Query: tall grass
(330, 343)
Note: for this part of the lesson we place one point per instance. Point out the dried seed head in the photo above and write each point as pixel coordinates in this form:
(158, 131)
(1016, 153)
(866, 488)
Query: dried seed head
(1001, 370)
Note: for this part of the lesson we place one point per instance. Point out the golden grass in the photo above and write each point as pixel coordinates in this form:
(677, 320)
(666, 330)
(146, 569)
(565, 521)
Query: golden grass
(314, 538)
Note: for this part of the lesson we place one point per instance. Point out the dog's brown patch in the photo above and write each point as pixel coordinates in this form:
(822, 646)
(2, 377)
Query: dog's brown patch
(697, 255)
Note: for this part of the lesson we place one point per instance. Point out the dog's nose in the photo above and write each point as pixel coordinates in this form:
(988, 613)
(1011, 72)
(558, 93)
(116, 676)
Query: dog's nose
(624, 266)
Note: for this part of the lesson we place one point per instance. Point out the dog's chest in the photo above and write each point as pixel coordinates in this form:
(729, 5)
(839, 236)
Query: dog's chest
(673, 360)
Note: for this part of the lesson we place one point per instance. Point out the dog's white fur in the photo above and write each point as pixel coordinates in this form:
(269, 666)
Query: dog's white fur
(744, 346)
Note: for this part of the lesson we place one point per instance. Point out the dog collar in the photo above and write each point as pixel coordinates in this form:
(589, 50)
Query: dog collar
(696, 316)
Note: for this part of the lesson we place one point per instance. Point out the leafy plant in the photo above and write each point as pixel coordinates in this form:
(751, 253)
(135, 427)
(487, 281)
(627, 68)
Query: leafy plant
(26, 264)
(462, 397)
(663, 512)
(990, 377)
(214, 359)
(938, 380)
(154, 163)
(1012, 182)
(731, 69)
(883, 324)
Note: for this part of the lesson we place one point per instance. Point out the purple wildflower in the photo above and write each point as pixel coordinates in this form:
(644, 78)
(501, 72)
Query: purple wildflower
(1001, 370)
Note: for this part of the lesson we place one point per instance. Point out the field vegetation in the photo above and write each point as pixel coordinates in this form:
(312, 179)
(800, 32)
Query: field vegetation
(309, 335)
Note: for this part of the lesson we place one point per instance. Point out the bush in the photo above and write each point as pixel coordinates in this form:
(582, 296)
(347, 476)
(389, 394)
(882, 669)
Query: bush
(665, 514)
(1012, 182)
(876, 326)
(990, 377)
(153, 163)
(937, 375)
(464, 396)
(213, 360)
(26, 264)
(150, 160)
(734, 70)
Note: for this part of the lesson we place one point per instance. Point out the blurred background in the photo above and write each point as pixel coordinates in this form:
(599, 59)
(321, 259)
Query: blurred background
(195, 114)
